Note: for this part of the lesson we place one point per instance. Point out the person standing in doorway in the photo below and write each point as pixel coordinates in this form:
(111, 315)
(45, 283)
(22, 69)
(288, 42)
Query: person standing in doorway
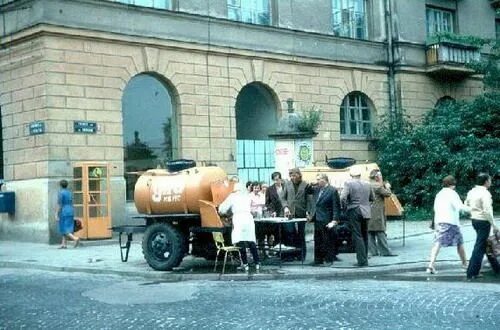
(65, 214)
(481, 206)
(447, 207)
(355, 199)
(377, 239)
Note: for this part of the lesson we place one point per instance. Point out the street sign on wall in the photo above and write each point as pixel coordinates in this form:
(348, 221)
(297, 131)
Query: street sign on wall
(36, 127)
(86, 127)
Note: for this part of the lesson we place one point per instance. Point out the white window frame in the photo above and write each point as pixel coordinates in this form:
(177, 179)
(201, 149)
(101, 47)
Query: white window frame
(349, 18)
(353, 107)
(439, 20)
(159, 4)
(250, 11)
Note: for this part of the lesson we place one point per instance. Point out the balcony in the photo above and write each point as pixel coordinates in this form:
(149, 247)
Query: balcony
(447, 59)
(495, 4)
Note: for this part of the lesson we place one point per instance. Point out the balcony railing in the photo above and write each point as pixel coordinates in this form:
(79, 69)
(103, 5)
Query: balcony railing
(495, 3)
(451, 53)
(448, 58)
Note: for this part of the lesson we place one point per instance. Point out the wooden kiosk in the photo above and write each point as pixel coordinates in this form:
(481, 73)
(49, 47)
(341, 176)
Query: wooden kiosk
(91, 198)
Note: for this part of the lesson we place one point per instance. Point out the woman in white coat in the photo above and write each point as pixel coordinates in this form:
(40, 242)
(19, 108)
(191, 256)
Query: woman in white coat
(243, 233)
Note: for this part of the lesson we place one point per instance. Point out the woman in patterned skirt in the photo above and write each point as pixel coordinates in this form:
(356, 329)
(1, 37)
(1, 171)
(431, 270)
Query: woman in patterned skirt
(447, 207)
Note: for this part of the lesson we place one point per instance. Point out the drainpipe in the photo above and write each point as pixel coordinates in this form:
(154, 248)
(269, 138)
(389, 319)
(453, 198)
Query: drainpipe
(390, 61)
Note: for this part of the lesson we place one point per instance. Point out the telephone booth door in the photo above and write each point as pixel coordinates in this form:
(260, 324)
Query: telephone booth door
(91, 191)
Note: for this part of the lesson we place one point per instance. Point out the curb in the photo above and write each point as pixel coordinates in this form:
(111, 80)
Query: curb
(274, 274)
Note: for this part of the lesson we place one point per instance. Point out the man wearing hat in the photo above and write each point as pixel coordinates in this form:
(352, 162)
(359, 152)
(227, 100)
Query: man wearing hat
(355, 199)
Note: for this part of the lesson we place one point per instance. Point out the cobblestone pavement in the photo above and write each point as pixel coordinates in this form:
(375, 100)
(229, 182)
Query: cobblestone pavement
(53, 300)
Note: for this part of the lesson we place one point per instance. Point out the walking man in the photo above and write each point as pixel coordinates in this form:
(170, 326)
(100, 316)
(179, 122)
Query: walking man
(481, 205)
(355, 199)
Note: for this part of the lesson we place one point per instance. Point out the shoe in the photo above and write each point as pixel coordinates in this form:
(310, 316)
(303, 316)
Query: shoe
(431, 270)
(244, 268)
(77, 243)
(390, 255)
(360, 265)
(474, 277)
(63, 247)
(257, 267)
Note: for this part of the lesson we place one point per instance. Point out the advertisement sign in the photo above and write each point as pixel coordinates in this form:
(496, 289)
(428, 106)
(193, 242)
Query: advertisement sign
(284, 156)
(303, 153)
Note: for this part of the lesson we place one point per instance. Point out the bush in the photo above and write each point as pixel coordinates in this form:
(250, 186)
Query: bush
(309, 119)
(458, 138)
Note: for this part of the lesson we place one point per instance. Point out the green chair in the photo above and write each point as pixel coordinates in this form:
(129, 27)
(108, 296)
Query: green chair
(219, 243)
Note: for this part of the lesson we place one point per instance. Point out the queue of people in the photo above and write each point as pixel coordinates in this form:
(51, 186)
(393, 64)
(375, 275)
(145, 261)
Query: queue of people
(317, 202)
(361, 205)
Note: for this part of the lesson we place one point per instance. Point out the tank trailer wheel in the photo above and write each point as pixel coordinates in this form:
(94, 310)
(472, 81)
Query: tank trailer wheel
(162, 246)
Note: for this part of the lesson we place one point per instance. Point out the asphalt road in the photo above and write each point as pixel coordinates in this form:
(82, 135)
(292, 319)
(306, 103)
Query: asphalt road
(31, 299)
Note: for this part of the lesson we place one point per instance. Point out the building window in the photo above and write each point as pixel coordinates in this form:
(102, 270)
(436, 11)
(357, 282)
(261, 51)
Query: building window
(439, 20)
(349, 18)
(249, 11)
(149, 126)
(161, 4)
(356, 116)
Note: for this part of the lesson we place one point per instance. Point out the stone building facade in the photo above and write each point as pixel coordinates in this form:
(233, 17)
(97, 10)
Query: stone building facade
(62, 61)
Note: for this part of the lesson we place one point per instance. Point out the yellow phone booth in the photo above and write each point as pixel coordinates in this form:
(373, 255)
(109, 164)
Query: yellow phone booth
(91, 199)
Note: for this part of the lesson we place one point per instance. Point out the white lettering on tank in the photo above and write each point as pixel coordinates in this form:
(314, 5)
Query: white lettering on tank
(169, 192)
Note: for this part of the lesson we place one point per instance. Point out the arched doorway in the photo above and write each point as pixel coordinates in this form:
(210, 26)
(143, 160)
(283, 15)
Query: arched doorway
(149, 126)
(256, 118)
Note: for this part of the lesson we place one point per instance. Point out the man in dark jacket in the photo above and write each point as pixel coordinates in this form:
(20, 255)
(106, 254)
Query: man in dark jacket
(296, 205)
(326, 214)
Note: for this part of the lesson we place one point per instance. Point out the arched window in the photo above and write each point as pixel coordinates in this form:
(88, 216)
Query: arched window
(256, 118)
(149, 127)
(356, 118)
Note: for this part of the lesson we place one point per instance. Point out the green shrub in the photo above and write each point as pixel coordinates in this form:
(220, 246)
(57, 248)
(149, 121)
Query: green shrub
(458, 138)
(309, 120)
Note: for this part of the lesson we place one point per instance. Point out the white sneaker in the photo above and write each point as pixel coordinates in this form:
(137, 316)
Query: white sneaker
(244, 268)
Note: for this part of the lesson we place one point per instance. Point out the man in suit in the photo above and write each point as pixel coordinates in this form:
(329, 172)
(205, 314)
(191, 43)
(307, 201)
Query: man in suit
(296, 205)
(355, 199)
(325, 215)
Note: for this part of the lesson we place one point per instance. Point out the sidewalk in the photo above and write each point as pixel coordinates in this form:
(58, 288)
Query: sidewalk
(103, 257)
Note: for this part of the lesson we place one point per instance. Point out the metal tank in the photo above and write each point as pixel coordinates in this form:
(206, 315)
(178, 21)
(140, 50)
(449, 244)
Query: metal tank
(161, 192)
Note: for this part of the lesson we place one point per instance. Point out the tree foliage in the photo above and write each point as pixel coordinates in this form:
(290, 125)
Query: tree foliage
(456, 138)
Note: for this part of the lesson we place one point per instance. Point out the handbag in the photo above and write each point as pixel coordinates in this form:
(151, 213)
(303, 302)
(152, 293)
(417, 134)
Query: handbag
(493, 251)
(392, 206)
(77, 225)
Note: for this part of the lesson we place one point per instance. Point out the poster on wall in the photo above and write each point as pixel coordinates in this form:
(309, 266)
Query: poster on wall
(284, 156)
(303, 153)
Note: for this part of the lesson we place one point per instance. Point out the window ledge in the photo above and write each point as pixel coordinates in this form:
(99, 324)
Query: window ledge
(360, 138)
